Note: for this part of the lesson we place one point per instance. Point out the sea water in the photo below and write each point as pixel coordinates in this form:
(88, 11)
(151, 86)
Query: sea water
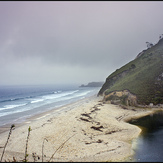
(17, 103)
(149, 145)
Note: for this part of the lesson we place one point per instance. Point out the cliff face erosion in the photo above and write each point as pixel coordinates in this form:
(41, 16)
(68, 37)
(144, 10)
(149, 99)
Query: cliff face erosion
(139, 81)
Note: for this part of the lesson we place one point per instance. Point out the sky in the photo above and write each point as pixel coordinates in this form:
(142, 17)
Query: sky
(73, 42)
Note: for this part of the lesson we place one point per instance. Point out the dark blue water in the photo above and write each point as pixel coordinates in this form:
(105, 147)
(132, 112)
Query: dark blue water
(149, 145)
(20, 102)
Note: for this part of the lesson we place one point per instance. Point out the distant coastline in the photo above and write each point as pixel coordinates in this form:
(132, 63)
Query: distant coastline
(93, 84)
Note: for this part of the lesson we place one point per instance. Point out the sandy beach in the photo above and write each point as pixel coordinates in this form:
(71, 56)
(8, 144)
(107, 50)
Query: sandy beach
(87, 131)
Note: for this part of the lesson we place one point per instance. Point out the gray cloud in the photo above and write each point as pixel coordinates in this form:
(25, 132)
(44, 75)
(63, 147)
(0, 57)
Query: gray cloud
(47, 42)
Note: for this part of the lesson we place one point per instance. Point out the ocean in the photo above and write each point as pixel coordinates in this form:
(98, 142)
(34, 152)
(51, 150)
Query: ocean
(17, 103)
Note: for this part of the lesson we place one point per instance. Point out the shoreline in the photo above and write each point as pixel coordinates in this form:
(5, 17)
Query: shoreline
(6, 127)
(93, 131)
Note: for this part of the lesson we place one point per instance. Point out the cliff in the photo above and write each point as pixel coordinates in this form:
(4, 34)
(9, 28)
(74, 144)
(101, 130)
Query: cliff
(142, 77)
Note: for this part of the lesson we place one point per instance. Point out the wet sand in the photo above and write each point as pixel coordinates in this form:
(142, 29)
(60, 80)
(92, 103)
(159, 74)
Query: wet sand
(85, 131)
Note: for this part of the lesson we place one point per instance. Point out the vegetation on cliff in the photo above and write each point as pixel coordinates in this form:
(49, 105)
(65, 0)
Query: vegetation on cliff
(143, 76)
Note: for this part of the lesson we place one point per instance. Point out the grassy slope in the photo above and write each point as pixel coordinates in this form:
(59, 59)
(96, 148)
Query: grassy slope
(141, 79)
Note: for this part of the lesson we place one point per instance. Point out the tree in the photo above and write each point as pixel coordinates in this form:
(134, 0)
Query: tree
(149, 45)
(161, 36)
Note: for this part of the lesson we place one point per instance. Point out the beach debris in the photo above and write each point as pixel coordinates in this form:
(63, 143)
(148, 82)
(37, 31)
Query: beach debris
(108, 150)
(87, 115)
(97, 128)
(113, 131)
(100, 104)
(110, 132)
(84, 119)
(35, 157)
(95, 108)
(98, 141)
(119, 118)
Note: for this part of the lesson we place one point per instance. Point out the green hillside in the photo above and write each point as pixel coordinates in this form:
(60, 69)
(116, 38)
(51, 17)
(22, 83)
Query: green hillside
(143, 76)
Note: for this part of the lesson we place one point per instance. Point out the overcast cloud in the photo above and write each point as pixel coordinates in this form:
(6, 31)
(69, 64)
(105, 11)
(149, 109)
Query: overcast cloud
(51, 42)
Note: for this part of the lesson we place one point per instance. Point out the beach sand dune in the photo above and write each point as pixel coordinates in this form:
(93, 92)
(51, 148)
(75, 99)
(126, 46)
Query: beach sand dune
(87, 130)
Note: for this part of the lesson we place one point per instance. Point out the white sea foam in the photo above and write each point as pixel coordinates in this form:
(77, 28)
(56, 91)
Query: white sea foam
(11, 106)
(72, 96)
(42, 116)
(21, 118)
(15, 111)
(18, 107)
(77, 95)
(54, 96)
(57, 91)
(37, 100)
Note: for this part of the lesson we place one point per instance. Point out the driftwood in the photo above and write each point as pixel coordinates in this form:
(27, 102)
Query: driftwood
(85, 119)
(87, 115)
(97, 128)
(98, 141)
